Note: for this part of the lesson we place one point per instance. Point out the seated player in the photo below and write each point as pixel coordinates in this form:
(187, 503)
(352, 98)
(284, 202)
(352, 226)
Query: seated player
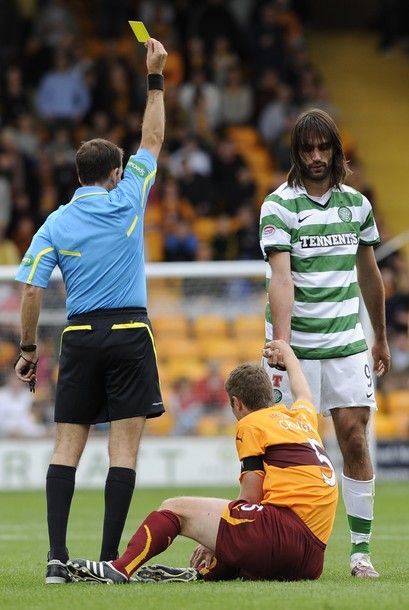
(278, 528)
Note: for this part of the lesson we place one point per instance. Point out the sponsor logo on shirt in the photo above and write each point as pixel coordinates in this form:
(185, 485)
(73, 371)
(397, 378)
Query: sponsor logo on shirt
(137, 168)
(323, 241)
(268, 231)
(27, 260)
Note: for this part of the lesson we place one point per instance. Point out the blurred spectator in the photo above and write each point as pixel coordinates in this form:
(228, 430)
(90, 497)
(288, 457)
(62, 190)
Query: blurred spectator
(236, 98)
(11, 162)
(9, 254)
(174, 208)
(26, 134)
(269, 39)
(22, 233)
(196, 188)
(176, 129)
(132, 136)
(195, 57)
(227, 164)
(223, 60)
(180, 243)
(184, 406)
(117, 97)
(5, 201)
(393, 24)
(14, 98)
(199, 94)
(112, 16)
(62, 93)
(210, 390)
(62, 152)
(54, 21)
(192, 154)
(223, 243)
(275, 116)
(247, 235)
(216, 19)
(17, 416)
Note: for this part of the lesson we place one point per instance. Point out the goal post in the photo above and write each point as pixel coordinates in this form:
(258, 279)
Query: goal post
(201, 312)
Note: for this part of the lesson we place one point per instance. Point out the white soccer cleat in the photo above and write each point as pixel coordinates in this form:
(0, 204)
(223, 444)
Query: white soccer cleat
(84, 570)
(361, 566)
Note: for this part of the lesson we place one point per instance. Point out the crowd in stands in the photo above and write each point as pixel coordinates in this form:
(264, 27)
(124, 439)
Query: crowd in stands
(237, 76)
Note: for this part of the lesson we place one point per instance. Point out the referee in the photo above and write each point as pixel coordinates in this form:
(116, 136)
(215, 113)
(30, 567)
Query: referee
(107, 370)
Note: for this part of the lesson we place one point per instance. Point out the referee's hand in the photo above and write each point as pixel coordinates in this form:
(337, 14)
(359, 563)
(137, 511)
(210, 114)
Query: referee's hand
(156, 56)
(25, 369)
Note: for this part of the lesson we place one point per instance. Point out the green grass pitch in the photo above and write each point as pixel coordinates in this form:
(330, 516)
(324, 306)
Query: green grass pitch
(23, 547)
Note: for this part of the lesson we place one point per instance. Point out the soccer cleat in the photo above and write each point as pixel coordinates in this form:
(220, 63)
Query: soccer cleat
(57, 573)
(361, 566)
(84, 570)
(160, 573)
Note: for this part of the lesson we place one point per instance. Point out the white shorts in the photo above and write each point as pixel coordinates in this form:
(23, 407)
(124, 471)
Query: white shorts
(334, 382)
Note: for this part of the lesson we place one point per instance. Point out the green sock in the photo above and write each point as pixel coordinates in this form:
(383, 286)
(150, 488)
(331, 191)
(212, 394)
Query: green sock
(360, 534)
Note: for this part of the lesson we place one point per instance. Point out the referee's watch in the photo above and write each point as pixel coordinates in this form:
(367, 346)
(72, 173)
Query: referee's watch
(28, 348)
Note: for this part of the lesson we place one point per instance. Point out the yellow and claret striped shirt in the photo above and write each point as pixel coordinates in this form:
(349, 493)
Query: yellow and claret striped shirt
(298, 473)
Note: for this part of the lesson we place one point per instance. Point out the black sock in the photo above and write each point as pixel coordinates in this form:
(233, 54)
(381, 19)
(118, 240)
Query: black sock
(59, 488)
(119, 488)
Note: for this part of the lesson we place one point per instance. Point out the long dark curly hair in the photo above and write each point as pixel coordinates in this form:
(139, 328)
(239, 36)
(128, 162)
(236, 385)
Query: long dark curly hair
(312, 125)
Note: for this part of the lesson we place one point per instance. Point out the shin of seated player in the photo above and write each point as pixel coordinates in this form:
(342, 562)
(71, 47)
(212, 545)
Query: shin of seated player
(195, 518)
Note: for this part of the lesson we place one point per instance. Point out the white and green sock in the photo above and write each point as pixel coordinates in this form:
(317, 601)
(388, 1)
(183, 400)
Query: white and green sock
(359, 500)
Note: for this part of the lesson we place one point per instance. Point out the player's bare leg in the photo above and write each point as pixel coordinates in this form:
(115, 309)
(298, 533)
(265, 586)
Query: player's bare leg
(358, 483)
(124, 438)
(196, 518)
(199, 517)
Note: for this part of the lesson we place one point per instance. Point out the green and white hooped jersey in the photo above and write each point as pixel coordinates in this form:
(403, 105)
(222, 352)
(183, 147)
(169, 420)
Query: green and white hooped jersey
(322, 236)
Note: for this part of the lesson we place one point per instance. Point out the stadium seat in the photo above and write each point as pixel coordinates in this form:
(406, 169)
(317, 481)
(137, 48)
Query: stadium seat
(208, 425)
(245, 135)
(249, 348)
(386, 426)
(226, 366)
(160, 426)
(204, 228)
(221, 349)
(248, 326)
(191, 368)
(170, 326)
(8, 353)
(174, 347)
(210, 326)
(381, 402)
(398, 401)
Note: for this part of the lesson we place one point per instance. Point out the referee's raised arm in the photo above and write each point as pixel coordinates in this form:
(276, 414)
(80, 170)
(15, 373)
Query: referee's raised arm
(153, 126)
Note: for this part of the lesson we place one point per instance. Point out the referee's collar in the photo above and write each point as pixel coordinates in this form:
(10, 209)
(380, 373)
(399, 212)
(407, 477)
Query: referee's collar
(88, 191)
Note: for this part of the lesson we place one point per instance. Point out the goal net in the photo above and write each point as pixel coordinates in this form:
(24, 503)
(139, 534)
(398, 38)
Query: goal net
(206, 317)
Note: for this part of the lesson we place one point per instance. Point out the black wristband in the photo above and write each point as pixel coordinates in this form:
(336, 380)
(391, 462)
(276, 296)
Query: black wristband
(28, 348)
(155, 81)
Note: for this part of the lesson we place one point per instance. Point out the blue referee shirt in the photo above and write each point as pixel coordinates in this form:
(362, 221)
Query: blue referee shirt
(97, 242)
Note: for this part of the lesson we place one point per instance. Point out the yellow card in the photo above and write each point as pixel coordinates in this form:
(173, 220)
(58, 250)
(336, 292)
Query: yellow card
(139, 30)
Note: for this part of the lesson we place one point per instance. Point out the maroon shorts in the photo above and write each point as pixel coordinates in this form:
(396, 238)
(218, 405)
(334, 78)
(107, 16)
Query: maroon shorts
(266, 542)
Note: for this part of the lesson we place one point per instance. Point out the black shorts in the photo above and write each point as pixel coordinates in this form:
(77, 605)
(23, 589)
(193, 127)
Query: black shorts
(107, 368)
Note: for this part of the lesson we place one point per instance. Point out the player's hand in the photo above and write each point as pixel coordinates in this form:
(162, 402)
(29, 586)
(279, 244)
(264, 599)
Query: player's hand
(156, 56)
(201, 557)
(275, 352)
(381, 357)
